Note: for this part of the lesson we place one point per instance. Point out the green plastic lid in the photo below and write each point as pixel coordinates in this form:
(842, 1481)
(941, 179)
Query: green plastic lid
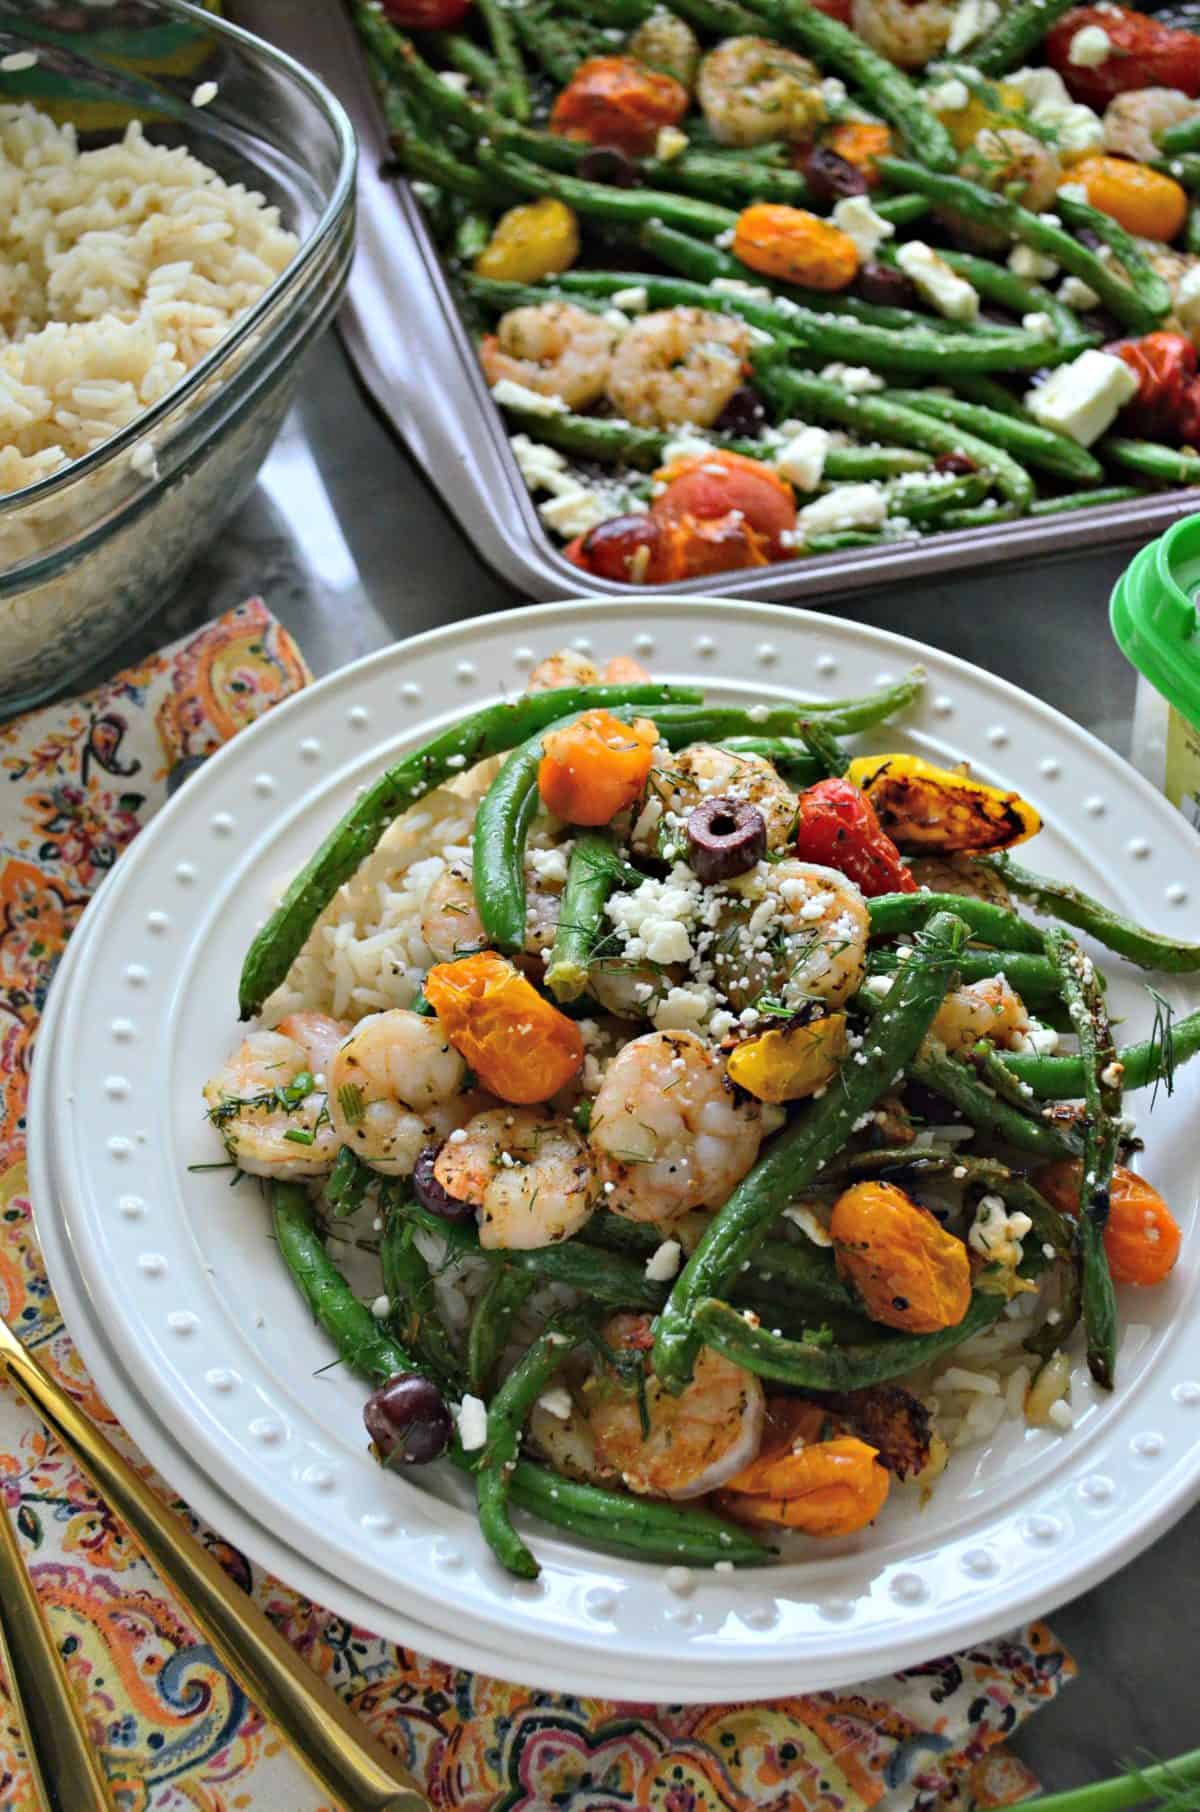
(1154, 615)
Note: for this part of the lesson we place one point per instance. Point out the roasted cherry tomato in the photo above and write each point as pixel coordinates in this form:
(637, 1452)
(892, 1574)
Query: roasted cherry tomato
(427, 15)
(1144, 54)
(835, 9)
(592, 769)
(636, 550)
(617, 101)
(860, 142)
(1142, 1238)
(719, 544)
(1143, 201)
(837, 827)
(1167, 405)
(712, 484)
(794, 246)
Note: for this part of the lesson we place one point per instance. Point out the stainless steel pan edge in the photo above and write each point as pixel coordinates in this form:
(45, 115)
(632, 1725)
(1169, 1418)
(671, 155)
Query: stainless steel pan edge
(404, 334)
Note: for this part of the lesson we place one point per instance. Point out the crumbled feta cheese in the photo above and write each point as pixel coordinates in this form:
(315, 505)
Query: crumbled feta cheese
(539, 466)
(557, 1402)
(855, 380)
(1081, 399)
(855, 217)
(1041, 87)
(17, 60)
(1024, 261)
(381, 1308)
(936, 283)
(738, 286)
(1061, 1414)
(949, 96)
(635, 300)
(1073, 191)
(670, 143)
(549, 865)
(1074, 293)
(574, 512)
(801, 460)
(143, 460)
(996, 1234)
(1038, 323)
(471, 1418)
(1076, 128)
(1187, 300)
(663, 1262)
(1090, 47)
(617, 320)
(1112, 1075)
(847, 506)
(833, 92)
(203, 93)
(808, 1222)
(971, 19)
(684, 1009)
(454, 78)
(511, 395)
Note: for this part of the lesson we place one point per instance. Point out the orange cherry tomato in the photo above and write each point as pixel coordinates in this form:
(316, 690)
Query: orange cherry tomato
(617, 101)
(810, 1474)
(719, 544)
(592, 769)
(835, 9)
(1142, 200)
(711, 484)
(794, 246)
(860, 142)
(520, 1047)
(909, 1271)
(1142, 1238)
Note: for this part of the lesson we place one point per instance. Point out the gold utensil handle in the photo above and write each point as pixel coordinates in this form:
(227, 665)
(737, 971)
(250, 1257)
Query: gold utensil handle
(349, 1763)
(66, 1767)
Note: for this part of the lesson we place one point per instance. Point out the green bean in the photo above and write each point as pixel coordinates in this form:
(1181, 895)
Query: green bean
(725, 18)
(1015, 34)
(854, 464)
(925, 505)
(631, 1525)
(511, 93)
(834, 1368)
(1101, 1136)
(409, 1289)
(901, 210)
(983, 515)
(346, 1184)
(795, 1155)
(621, 14)
(817, 399)
(1059, 900)
(841, 539)
(426, 162)
(991, 394)
(471, 235)
(1170, 465)
(604, 1277)
(628, 207)
(1035, 445)
(1154, 1060)
(893, 914)
(787, 753)
(1183, 168)
(1191, 231)
(461, 53)
(996, 283)
(1140, 303)
(486, 732)
(722, 177)
(1032, 976)
(507, 1414)
(826, 751)
(593, 871)
(560, 47)
(1084, 500)
(1183, 136)
(884, 87)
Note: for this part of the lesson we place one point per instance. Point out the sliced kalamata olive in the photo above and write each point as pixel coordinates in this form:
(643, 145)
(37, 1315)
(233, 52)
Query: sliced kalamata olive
(430, 1193)
(831, 177)
(744, 414)
(959, 465)
(408, 1420)
(884, 283)
(726, 837)
(607, 163)
(630, 548)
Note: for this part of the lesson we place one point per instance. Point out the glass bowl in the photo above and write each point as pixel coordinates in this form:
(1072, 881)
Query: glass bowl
(88, 553)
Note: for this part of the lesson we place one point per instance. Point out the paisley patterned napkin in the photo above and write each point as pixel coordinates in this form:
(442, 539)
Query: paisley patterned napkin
(77, 781)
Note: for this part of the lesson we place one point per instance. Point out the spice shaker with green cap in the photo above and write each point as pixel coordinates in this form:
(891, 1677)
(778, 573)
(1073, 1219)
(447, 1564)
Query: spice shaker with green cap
(1157, 624)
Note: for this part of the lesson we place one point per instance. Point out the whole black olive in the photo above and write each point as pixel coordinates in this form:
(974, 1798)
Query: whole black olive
(408, 1420)
(607, 163)
(429, 1191)
(726, 837)
(959, 465)
(831, 177)
(884, 283)
(744, 414)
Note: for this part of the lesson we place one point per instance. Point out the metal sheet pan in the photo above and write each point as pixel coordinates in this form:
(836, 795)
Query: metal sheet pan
(403, 331)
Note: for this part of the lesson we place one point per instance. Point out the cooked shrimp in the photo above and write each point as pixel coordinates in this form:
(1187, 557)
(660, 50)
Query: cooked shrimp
(792, 930)
(665, 41)
(566, 668)
(909, 34)
(631, 989)
(752, 90)
(450, 922)
(688, 1444)
(1008, 159)
(267, 1133)
(702, 772)
(528, 1173)
(395, 1086)
(568, 1443)
(982, 1009)
(668, 1129)
(678, 365)
(553, 348)
(953, 874)
(1134, 121)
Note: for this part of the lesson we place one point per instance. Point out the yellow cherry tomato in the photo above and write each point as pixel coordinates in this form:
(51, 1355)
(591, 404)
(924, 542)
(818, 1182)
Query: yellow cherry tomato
(536, 240)
(964, 123)
(1142, 200)
(790, 1062)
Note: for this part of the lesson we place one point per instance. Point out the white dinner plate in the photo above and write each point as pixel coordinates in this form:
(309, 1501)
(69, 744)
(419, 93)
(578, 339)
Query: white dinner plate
(194, 1328)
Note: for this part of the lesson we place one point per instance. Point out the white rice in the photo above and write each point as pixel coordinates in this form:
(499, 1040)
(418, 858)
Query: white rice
(120, 268)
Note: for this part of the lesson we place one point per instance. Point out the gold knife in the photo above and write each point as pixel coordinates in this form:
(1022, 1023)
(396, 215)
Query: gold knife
(346, 1759)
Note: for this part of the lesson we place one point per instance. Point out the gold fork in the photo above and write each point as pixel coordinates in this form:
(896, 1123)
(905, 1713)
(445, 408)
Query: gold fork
(349, 1763)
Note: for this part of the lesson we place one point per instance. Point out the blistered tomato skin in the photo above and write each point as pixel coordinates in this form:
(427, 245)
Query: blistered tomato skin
(617, 101)
(1143, 54)
(811, 1474)
(427, 15)
(710, 485)
(837, 827)
(520, 1047)
(596, 767)
(910, 1273)
(1142, 1238)
(1167, 405)
(794, 246)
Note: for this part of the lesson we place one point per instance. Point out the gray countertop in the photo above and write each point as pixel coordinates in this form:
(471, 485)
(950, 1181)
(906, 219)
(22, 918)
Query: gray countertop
(351, 549)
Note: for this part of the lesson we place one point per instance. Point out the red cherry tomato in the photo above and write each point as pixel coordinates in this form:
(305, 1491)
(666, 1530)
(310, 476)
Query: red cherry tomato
(1144, 54)
(708, 485)
(1167, 405)
(617, 101)
(427, 15)
(835, 9)
(839, 829)
(720, 544)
